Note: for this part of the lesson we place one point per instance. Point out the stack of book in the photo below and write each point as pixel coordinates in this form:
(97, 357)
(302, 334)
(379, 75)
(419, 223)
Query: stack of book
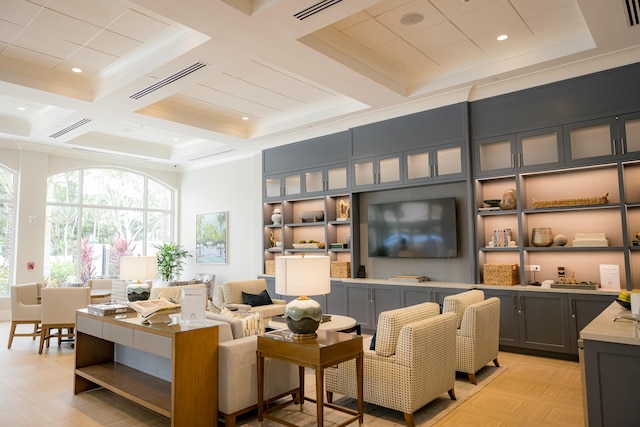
(108, 308)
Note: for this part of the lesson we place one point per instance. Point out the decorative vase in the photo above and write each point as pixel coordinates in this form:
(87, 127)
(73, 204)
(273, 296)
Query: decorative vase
(542, 237)
(276, 216)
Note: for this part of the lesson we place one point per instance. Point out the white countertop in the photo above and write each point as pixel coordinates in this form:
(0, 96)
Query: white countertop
(603, 328)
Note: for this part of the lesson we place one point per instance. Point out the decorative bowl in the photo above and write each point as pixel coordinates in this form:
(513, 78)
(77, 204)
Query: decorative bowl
(494, 203)
(308, 245)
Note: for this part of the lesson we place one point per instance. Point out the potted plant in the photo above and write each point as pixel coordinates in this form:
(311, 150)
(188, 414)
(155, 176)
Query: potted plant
(171, 260)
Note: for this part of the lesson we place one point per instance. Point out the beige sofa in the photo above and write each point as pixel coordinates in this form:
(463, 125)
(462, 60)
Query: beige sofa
(229, 294)
(412, 364)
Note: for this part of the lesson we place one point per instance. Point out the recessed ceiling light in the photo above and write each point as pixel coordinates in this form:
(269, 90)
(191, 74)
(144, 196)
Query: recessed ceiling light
(411, 18)
(245, 118)
(22, 109)
(76, 70)
(502, 37)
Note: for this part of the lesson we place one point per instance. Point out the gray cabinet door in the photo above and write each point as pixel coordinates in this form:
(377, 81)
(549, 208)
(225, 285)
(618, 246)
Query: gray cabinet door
(383, 298)
(336, 300)
(509, 328)
(412, 295)
(585, 308)
(359, 305)
(544, 322)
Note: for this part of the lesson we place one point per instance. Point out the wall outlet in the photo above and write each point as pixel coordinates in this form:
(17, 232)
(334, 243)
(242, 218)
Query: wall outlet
(533, 267)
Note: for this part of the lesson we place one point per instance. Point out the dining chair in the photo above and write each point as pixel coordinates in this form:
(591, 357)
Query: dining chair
(25, 309)
(59, 307)
(100, 284)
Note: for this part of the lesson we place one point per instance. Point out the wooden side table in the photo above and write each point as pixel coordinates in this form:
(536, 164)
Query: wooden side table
(328, 349)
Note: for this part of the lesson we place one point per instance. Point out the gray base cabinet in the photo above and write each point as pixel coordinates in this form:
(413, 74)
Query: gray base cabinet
(365, 303)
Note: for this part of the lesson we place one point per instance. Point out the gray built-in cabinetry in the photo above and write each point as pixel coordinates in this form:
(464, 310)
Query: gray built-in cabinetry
(573, 139)
(578, 138)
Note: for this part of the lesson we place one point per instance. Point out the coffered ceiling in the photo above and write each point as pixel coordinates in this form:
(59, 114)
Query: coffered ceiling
(194, 82)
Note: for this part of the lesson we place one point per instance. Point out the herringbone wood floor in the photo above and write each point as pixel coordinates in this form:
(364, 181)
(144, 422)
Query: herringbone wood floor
(36, 390)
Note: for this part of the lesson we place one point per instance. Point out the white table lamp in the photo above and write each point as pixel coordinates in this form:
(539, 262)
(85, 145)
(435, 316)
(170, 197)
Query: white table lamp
(138, 268)
(303, 275)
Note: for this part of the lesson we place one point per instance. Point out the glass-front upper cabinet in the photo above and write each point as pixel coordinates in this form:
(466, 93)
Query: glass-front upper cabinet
(326, 180)
(445, 162)
(591, 141)
(282, 185)
(629, 135)
(536, 150)
(380, 171)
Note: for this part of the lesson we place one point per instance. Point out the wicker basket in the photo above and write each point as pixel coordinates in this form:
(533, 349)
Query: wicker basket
(270, 266)
(583, 201)
(501, 274)
(341, 269)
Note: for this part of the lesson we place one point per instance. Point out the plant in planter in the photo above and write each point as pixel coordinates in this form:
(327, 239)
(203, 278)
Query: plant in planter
(171, 260)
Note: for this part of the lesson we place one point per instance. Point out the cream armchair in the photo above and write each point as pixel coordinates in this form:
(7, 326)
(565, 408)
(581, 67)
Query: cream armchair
(103, 284)
(229, 294)
(478, 336)
(59, 307)
(412, 364)
(25, 310)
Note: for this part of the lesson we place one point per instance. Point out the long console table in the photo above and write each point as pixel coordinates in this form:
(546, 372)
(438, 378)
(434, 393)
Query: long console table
(171, 369)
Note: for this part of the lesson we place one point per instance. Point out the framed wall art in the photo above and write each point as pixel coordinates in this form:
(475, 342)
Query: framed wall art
(212, 238)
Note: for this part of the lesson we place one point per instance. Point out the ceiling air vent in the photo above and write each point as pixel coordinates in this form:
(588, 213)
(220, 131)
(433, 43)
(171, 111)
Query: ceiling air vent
(318, 7)
(69, 128)
(167, 81)
(633, 9)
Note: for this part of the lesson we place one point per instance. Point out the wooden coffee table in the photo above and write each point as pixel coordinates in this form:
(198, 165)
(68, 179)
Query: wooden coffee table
(327, 349)
(337, 324)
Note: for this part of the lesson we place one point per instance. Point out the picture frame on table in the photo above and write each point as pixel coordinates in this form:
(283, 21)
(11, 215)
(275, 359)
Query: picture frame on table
(212, 238)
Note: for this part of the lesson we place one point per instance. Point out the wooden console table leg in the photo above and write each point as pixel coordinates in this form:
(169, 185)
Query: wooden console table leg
(260, 365)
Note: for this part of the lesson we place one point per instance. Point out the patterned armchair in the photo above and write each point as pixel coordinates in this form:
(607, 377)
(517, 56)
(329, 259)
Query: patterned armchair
(412, 364)
(477, 341)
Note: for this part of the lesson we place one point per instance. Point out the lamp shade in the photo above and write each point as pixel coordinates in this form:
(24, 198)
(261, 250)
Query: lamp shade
(303, 275)
(138, 268)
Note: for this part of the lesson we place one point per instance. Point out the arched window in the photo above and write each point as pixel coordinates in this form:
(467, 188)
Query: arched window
(95, 216)
(7, 224)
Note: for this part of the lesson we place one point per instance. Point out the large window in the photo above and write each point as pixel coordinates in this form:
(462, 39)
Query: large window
(95, 216)
(7, 206)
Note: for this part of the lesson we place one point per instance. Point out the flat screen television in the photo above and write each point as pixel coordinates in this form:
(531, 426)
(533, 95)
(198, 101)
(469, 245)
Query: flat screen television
(413, 229)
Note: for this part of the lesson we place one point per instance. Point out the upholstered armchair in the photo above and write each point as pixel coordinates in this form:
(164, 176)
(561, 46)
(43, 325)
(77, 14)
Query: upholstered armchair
(104, 284)
(478, 335)
(25, 309)
(229, 294)
(59, 307)
(412, 364)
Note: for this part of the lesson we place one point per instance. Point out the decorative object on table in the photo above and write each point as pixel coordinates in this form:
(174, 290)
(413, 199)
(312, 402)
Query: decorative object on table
(541, 236)
(582, 201)
(276, 216)
(193, 304)
(311, 216)
(344, 210)
(590, 240)
(303, 275)
(171, 259)
(341, 269)
(560, 240)
(212, 238)
(624, 299)
(493, 203)
(155, 310)
(108, 308)
(138, 268)
(509, 199)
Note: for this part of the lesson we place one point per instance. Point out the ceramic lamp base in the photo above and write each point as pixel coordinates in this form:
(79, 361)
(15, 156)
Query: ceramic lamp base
(303, 316)
(138, 292)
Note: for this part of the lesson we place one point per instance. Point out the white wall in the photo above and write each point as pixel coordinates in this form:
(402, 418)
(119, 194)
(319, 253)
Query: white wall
(234, 187)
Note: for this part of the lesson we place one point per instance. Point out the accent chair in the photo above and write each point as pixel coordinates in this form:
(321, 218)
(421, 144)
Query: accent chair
(25, 309)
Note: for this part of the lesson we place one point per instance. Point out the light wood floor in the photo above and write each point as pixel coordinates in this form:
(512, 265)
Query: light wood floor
(36, 390)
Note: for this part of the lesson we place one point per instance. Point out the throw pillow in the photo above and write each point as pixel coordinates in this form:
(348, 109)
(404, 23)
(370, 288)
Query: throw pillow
(254, 300)
(373, 342)
(251, 321)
